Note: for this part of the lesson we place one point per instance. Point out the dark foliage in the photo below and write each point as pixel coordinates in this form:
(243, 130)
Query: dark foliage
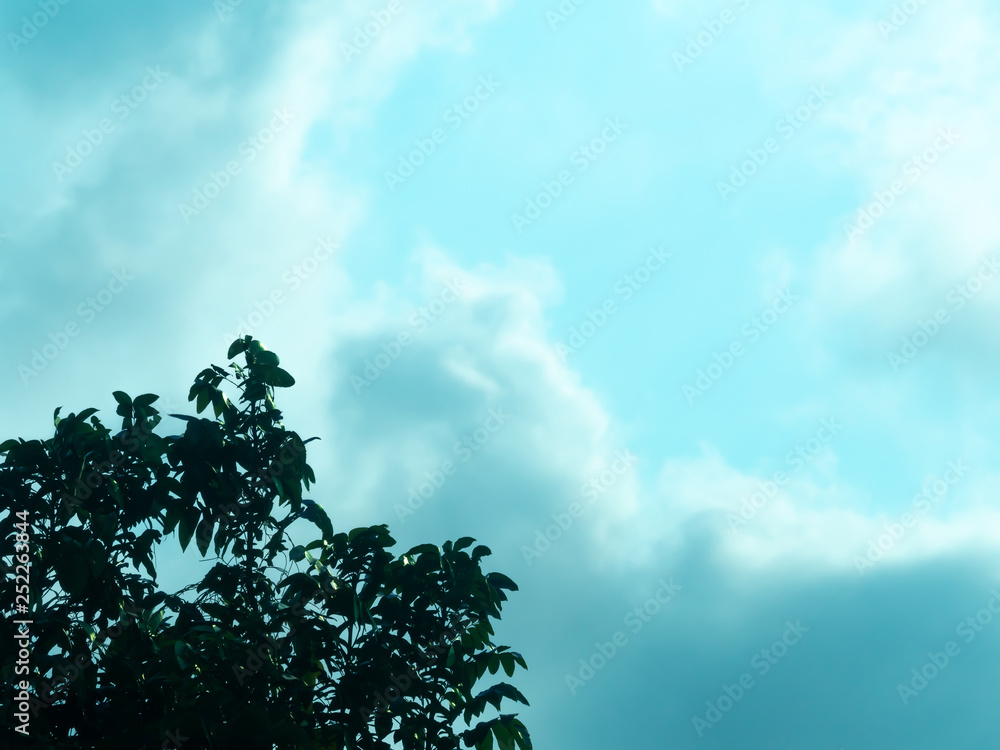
(335, 644)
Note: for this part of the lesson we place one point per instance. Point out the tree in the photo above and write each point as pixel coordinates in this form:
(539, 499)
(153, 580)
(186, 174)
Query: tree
(333, 644)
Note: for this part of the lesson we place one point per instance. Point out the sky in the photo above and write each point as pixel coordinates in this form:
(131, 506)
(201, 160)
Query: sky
(685, 309)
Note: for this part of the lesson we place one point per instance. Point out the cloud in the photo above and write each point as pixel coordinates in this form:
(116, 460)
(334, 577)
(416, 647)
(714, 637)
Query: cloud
(204, 186)
(417, 370)
(794, 559)
(446, 410)
(911, 130)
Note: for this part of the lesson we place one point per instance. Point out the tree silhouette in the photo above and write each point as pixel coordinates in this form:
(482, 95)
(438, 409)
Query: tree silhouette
(333, 644)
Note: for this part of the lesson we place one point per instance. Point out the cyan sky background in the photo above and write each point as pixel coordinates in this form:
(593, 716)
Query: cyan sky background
(872, 115)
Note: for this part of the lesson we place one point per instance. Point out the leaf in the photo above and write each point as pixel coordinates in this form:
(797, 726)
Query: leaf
(145, 400)
(517, 730)
(505, 740)
(507, 660)
(299, 582)
(500, 581)
(509, 691)
(462, 543)
(189, 520)
(98, 557)
(520, 733)
(297, 553)
(383, 725)
(181, 649)
(72, 576)
(204, 534)
(220, 402)
(154, 600)
(237, 347)
(476, 735)
(204, 398)
(276, 377)
(265, 357)
(426, 549)
(220, 612)
(313, 511)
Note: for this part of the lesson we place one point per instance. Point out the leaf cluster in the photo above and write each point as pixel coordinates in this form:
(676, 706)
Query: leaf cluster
(338, 643)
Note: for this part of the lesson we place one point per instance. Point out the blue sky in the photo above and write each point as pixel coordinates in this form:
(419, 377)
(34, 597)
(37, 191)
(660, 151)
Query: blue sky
(708, 289)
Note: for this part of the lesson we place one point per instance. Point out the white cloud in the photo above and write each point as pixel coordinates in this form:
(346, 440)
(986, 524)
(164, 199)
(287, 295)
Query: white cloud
(894, 98)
